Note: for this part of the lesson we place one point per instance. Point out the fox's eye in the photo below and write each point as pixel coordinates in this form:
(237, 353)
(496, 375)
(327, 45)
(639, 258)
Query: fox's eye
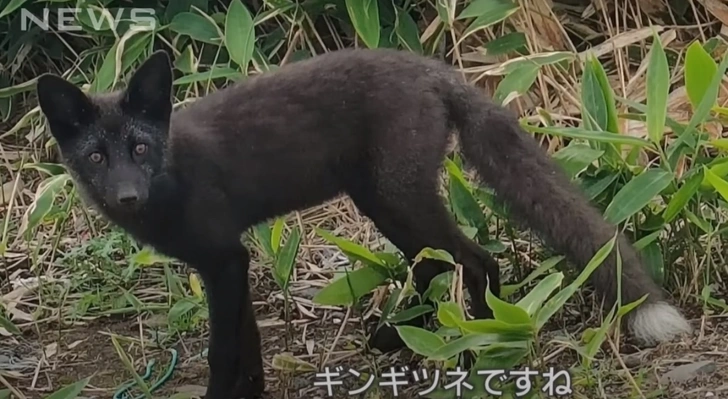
(96, 157)
(140, 149)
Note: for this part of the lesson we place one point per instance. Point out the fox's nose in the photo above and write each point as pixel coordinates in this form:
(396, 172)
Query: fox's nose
(128, 197)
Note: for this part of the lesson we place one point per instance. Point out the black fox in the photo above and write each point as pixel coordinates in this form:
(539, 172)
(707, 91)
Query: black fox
(373, 124)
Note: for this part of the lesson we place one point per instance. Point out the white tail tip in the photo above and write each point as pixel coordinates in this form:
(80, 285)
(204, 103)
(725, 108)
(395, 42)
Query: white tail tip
(653, 323)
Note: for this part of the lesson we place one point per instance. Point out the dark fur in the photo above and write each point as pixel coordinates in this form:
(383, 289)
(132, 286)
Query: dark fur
(371, 124)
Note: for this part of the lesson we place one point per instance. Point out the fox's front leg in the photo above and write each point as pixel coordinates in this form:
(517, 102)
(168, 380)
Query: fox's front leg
(234, 355)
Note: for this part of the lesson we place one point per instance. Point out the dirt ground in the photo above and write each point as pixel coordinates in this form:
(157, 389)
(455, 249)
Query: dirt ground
(48, 356)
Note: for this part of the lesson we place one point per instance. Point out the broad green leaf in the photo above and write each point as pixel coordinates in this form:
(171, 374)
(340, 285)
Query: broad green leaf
(364, 16)
(147, 256)
(608, 93)
(637, 193)
(504, 311)
(196, 27)
(591, 135)
(702, 111)
(12, 6)
(594, 189)
(683, 196)
(70, 391)
(285, 259)
(449, 314)
(506, 331)
(46, 193)
(501, 356)
(461, 344)
(557, 301)
(180, 309)
(276, 234)
(546, 265)
(464, 205)
(699, 70)
(239, 34)
(350, 249)
(532, 302)
(410, 313)
(419, 340)
(594, 104)
(26, 86)
(514, 41)
(407, 31)
(575, 158)
(516, 83)
(718, 183)
(658, 86)
(652, 256)
(436, 254)
(438, 286)
(9, 326)
(262, 232)
(287, 362)
(489, 12)
(214, 73)
(646, 240)
(339, 292)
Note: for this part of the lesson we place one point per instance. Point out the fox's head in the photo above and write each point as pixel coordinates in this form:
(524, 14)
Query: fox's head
(113, 144)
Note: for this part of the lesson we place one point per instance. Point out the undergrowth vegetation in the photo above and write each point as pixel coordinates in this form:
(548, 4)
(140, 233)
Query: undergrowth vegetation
(628, 97)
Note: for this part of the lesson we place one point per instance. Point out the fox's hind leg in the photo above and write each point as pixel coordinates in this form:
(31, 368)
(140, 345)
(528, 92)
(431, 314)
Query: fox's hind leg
(413, 217)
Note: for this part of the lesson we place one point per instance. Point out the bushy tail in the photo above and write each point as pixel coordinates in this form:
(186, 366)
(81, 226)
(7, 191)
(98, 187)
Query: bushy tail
(539, 194)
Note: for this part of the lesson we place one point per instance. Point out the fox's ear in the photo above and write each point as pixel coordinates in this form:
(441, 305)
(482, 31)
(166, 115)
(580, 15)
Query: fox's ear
(65, 106)
(148, 94)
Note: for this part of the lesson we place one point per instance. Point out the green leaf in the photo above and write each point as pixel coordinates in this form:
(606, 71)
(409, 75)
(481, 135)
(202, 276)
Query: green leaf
(532, 302)
(652, 255)
(658, 87)
(436, 254)
(286, 258)
(12, 6)
(9, 325)
(514, 41)
(507, 332)
(683, 196)
(516, 83)
(287, 362)
(637, 193)
(557, 301)
(504, 311)
(546, 265)
(438, 286)
(488, 12)
(464, 205)
(26, 86)
(180, 309)
(196, 27)
(46, 194)
(147, 256)
(409, 313)
(575, 158)
(718, 183)
(351, 250)
(699, 70)
(364, 16)
(593, 102)
(449, 314)
(339, 292)
(70, 391)
(591, 135)
(612, 118)
(461, 344)
(276, 234)
(419, 340)
(214, 73)
(239, 34)
(407, 31)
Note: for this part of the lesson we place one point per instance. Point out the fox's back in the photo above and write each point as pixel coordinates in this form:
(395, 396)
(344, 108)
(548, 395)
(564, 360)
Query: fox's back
(309, 126)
